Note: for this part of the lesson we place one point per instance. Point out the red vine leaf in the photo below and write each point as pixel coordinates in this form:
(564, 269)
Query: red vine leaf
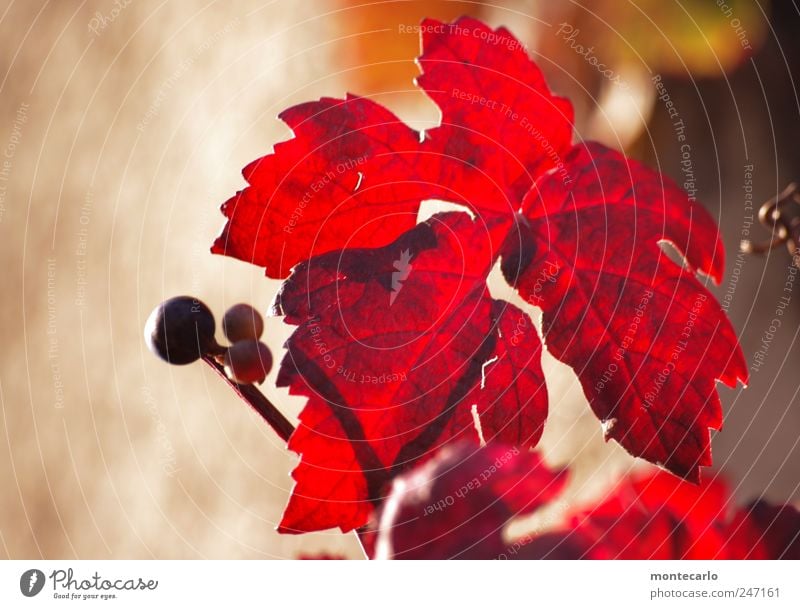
(390, 380)
(646, 339)
(577, 230)
(339, 171)
(501, 126)
(458, 504)
(766, 531)
(658, 516)
(321, 556)
(352, 163)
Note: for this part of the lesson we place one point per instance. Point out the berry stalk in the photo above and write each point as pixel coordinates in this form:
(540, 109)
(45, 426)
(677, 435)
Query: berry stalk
(257, 401)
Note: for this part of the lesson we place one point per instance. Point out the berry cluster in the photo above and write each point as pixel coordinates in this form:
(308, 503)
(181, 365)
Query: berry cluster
(181, 331)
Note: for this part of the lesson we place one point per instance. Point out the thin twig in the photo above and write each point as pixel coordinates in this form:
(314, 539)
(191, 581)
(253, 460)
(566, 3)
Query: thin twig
(257, 400)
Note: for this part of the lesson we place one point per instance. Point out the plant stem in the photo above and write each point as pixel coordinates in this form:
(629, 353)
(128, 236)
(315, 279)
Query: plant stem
(257, 400)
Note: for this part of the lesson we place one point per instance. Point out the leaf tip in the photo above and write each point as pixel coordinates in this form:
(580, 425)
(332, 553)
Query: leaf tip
(220, 243)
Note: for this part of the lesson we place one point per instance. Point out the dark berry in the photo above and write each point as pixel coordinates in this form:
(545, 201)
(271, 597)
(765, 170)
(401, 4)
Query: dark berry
(180, 330)
(248, 361)
(242, 321)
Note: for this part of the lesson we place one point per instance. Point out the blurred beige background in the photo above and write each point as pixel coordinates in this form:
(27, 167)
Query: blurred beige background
(124, 126)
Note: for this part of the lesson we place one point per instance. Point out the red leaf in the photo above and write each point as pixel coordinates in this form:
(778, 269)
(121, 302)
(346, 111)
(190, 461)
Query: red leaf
(765, 531)
(511, 398)
(354, 165)
(646, 339)
(321, 556)
(392, 370)
(340, 171)
(657, 516)
(501, 126)
(377, 296)
(457, 504)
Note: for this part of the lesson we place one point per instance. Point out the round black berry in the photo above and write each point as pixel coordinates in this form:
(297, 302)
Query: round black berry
(248, 361)
(242, 321)
(180, 330)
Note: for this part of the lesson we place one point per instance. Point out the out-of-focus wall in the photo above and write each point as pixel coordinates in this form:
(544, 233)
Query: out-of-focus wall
(136, 118)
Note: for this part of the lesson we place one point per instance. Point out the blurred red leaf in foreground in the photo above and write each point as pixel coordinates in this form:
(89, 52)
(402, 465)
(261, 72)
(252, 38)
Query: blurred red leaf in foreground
(459, 504)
